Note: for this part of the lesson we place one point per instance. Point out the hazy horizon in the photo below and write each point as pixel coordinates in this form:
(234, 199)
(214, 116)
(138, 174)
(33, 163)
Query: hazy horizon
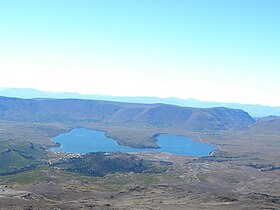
(132, 96)
(226, 51)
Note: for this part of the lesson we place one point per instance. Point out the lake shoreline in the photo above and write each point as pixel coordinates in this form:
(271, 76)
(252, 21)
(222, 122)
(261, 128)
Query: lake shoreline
(82, 140)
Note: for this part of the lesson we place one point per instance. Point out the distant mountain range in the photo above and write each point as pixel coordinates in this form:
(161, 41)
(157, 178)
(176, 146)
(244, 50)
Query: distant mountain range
(253, 110)
(120, 113)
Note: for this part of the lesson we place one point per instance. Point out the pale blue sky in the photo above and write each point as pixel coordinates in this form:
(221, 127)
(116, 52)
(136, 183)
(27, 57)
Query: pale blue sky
(222, 50)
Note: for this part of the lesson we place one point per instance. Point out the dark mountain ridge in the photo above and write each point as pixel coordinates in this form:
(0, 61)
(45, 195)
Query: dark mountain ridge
(152, 115)
(253, 110)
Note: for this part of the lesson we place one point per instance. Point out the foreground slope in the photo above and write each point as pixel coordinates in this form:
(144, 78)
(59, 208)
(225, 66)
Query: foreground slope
(151, 115)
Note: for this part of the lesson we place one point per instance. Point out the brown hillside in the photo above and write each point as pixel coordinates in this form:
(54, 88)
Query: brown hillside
(152, 115)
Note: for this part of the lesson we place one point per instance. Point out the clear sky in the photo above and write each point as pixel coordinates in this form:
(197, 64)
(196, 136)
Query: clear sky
(221, 50)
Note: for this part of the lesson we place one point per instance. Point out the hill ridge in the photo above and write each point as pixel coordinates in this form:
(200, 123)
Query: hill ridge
(254, 110)
(152, 115)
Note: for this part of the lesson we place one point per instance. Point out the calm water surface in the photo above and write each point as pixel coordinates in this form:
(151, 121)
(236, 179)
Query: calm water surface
(83, 141)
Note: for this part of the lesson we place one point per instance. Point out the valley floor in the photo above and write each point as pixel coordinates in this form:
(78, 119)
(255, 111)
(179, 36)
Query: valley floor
(244, 173)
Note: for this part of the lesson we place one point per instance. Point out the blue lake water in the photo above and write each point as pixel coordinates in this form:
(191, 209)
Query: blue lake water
(83, 141)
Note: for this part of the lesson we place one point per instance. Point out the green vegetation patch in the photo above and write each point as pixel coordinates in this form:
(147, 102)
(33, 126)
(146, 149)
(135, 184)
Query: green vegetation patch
(15, 157)
(100, 164)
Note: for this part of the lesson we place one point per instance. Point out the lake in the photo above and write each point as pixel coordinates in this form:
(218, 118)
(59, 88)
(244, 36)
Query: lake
(80, 140)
